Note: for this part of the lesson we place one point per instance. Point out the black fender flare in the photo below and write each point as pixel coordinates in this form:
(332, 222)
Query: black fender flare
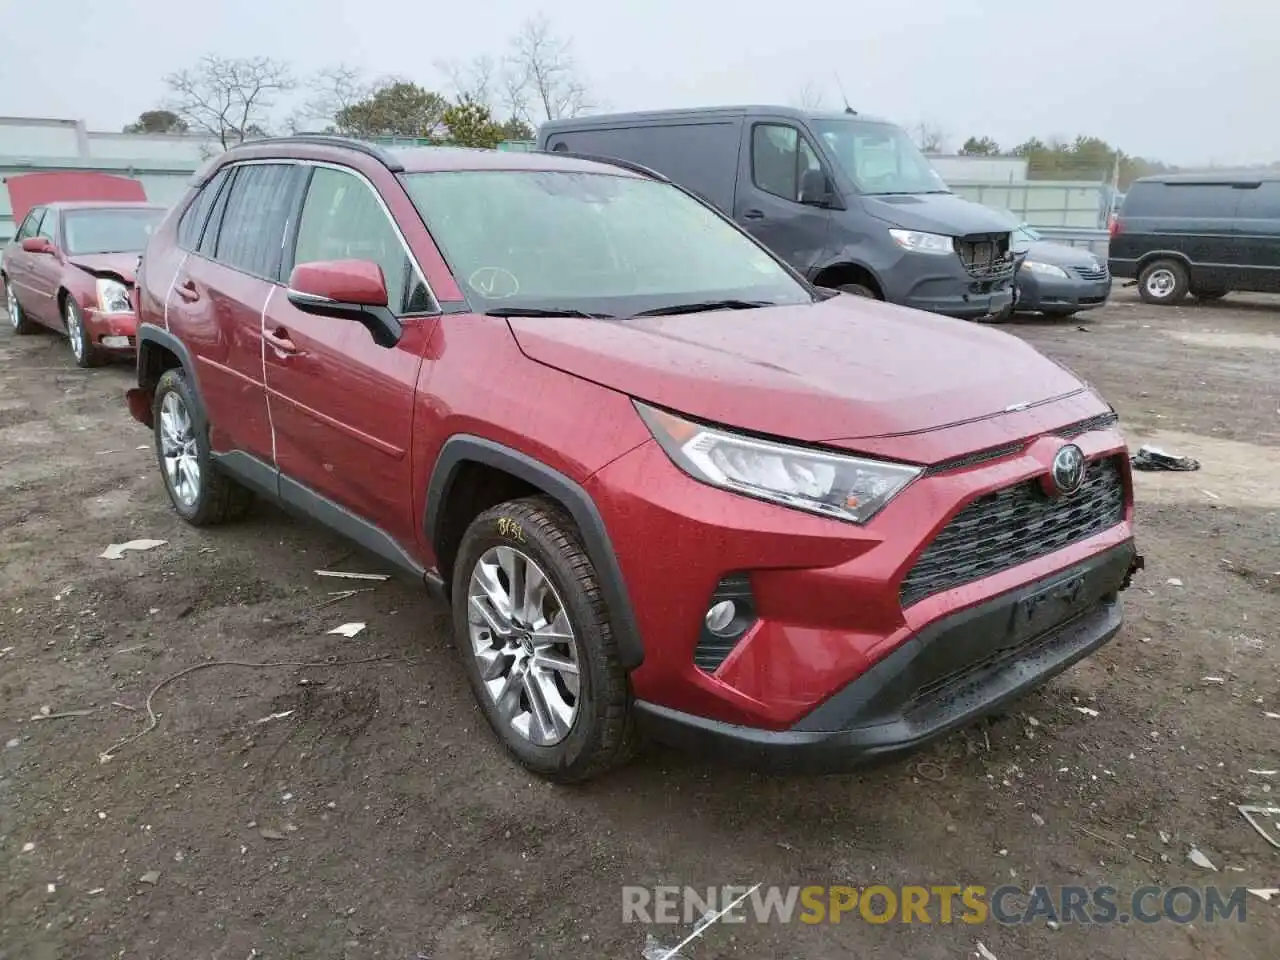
(1151, 256)
(463, 448)
(149, 333)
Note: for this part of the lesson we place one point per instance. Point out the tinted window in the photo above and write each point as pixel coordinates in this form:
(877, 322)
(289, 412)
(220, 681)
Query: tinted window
(343, 220)
(1261, 202)
(779, 159)
(1181, 200)
(593, 242)
(191, 226)
(252, 230)
(109, 231)
(31, 224)
(209, 238)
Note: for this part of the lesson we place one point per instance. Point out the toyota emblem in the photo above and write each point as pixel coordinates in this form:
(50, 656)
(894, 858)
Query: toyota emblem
(1068, 469)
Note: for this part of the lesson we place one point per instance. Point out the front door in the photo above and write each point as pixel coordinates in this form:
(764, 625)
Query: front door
(44, 271)
(341, 405)
(775, 158)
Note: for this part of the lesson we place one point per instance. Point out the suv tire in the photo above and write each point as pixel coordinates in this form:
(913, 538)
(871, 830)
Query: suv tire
(17, 316)
(82, 348)
(566, 725)
(1209, 295)
(1163, 282)
(202, 495)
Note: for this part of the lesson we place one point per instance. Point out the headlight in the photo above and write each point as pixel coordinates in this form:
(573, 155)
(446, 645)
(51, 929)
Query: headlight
(918, 242)
(113, 296)
(834, 485)
(1044, 269)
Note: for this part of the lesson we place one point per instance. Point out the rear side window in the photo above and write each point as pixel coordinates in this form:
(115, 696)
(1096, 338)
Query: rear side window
(191, 226)
(1205, 200)
(252, 230)
(1261, 202)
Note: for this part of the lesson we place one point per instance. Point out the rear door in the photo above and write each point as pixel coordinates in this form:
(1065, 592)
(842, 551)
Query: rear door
(775, 156)
(1259, 225)
(342, 405)
(218, 297)
(17, 262)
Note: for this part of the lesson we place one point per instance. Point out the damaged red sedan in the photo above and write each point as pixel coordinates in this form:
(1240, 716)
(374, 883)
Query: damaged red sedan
(71, 268)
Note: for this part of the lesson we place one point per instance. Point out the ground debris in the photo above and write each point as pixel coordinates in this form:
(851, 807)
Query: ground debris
(1250, 812)
(344, 575)
(151, 877)
(117, 550)
(1200, 860)
(348, 630)
(1153, 458)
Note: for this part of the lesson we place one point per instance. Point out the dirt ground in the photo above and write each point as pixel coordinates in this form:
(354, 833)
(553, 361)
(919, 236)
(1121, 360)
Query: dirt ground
(365, 811)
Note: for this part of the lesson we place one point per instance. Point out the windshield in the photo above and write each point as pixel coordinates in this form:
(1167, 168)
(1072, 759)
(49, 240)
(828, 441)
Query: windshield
(596, 243)
(109, 231)
(879, 157)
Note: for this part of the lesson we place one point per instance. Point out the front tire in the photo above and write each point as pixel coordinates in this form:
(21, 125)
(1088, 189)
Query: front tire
(859, 290)
(199, 491)
(1206, 296)
(536, 641)
(1163, 283)
(82, 348)
(18, 319)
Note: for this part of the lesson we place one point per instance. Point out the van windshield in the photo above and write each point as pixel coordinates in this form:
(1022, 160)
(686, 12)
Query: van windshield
(603, 244)
(879, 157)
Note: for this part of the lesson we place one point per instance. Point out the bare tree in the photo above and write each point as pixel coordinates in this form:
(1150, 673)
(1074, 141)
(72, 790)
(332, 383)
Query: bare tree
(331, 91)
(229, 99)
(811, 96)
(930, 138)
(541, 80)
(472, 81)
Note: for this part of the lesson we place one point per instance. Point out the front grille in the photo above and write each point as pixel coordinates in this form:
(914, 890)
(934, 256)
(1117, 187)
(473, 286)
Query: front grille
(1070, 431)
(985, 255)
(1091, 273)
(1013, 526)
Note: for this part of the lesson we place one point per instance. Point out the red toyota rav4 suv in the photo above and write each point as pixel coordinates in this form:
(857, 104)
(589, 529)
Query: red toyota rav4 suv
(665, 484)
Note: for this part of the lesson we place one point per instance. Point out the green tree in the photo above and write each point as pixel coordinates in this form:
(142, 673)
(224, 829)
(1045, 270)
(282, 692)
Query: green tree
(471, 125)
(398, 108)
(980, 147)
(157, 121)
(517, 129)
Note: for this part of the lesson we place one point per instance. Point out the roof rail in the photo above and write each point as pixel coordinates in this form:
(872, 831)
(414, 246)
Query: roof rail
(611, 161)
(385, 157)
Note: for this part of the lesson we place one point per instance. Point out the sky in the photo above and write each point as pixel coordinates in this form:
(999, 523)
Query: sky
(1183, 81)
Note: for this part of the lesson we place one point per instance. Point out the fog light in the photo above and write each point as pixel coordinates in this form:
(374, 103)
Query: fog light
(115, 343)
(720, 617)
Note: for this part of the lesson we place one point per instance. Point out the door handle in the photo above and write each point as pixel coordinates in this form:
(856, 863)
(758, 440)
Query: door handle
(753, 215)
(280, 342)
(188, 292)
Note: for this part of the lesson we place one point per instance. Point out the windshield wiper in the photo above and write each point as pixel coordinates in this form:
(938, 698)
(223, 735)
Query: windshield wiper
(703, 306)
(545, 312)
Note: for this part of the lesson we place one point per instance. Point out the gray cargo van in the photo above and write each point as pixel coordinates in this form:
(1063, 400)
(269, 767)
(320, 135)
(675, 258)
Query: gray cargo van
(847, 200)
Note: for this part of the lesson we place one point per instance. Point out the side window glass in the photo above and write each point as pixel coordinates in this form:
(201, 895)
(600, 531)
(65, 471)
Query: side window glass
(213, 227)
(775, 159)
(191, 226)
(49, 226)
(252, 230)
(30, 224)
(342, 220)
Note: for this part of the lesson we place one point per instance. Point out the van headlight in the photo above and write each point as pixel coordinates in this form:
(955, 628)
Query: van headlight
(113, 296)
(918, 242)
(831, 484)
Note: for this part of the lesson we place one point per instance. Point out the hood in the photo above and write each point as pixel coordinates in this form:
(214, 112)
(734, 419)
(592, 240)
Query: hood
(29, 190)
(1062, 255)
(943, 213)
(843, 369)
(122, 265)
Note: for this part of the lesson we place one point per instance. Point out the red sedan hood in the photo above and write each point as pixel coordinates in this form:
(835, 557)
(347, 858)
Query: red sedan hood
(844, 369)
(122, 265)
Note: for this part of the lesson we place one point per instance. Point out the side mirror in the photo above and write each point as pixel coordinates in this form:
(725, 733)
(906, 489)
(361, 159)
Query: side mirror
(347, 290)
(38, 245)
(815, 189)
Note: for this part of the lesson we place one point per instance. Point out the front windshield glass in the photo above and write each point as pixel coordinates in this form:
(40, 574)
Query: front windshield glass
(109, 231)
(598, 243)
(879, 157)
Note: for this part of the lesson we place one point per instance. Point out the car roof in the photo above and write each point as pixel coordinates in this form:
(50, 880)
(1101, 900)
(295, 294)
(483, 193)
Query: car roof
(1213, 177)
(438, 159)
(101, 205)
(749, 110)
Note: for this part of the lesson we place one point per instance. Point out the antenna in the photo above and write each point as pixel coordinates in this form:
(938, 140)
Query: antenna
(840, 86)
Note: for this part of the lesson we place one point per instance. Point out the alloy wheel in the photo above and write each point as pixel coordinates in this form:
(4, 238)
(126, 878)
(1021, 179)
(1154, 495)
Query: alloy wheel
(524, 645)
(1161, 283)
(178, 450)
(74, 334)
(11, 302)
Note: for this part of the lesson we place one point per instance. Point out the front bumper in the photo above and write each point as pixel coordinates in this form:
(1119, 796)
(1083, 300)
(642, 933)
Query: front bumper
(1036, 292)
(118, 330)
(942, 285)
(950, 673)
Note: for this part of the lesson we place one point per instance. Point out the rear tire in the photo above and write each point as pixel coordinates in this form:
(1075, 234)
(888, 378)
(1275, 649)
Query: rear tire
(1163, 283)
(18, 319)
(859, 290)
(520, 581)
(199, 491)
